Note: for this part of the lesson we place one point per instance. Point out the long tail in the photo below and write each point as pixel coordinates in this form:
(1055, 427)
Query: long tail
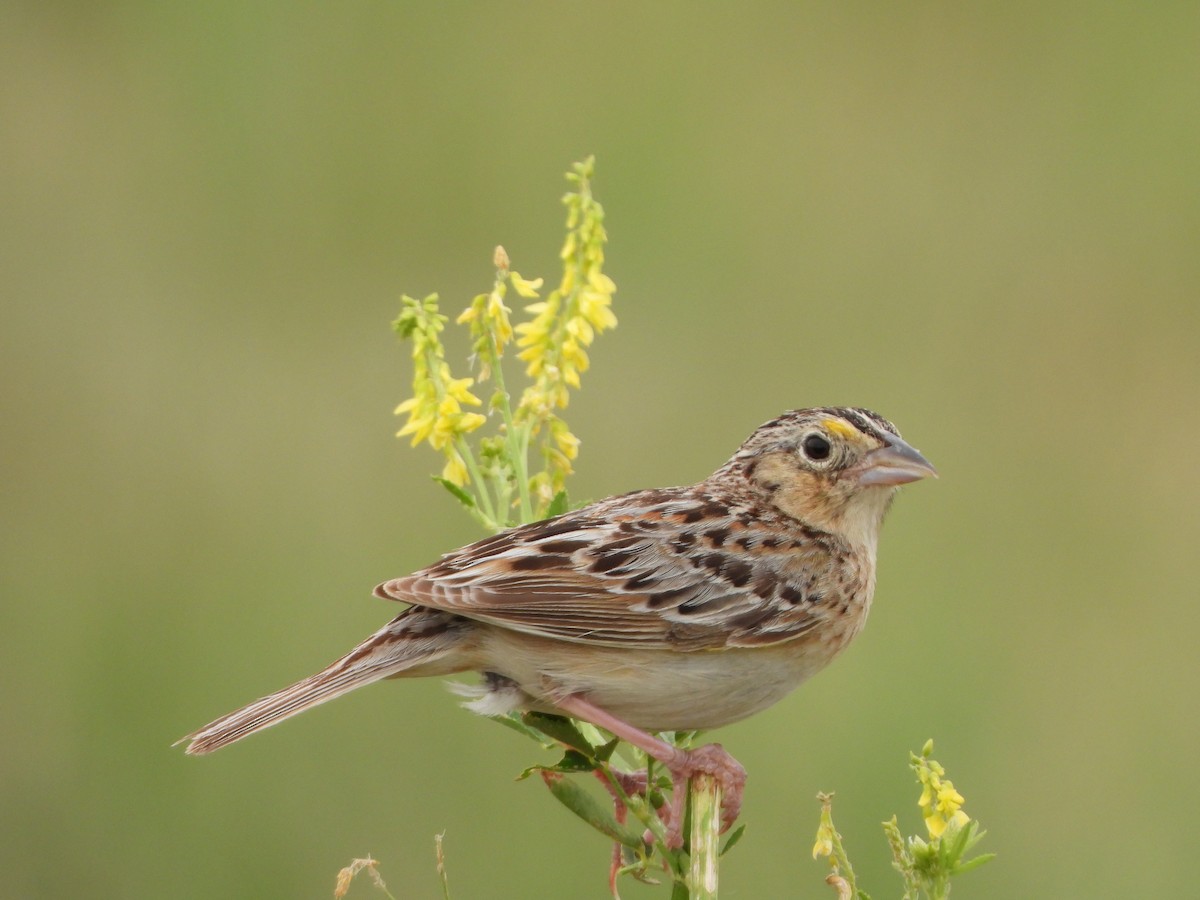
(416, 642)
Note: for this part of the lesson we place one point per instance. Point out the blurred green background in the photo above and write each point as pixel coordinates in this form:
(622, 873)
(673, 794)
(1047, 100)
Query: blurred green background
(981, 220)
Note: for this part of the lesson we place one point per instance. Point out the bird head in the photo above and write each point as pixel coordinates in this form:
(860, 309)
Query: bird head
(834, 468)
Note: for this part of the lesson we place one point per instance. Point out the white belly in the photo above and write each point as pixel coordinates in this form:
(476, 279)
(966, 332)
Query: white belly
(656, 690)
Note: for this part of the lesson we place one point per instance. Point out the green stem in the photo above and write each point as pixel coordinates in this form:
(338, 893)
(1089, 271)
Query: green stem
(639, 805)
(521, 457)
(705, 796)
(517, 448)
(487, 512)
(844, 869)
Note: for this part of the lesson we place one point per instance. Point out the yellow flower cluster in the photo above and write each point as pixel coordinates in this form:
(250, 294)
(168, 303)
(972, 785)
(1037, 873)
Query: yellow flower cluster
(940, 803)
(554, 342)
(553, 345)
(488, 316)
(435, 411)
(491, 476)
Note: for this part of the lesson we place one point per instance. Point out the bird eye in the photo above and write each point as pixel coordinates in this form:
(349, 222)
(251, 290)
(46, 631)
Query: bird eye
(816, 447)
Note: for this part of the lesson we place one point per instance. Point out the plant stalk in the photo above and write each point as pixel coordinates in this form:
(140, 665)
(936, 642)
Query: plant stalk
(705, 836)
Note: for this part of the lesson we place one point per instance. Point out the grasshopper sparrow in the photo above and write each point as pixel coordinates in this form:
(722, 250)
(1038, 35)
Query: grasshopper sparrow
(675, 609)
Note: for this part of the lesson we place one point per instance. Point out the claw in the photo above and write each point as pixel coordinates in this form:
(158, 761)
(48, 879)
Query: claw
(711, 759)
(714, 760)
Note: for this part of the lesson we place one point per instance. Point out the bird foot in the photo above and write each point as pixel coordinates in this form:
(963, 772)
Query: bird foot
(715, 761)
(710, 759)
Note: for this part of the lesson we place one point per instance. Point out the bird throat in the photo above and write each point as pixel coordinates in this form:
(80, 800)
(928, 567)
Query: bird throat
(822, 501)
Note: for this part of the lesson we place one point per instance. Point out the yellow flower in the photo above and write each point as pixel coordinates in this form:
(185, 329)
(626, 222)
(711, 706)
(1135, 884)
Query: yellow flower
(570, 243)
(581, 330)
(949, 801)
(456, 388)
(523, 287)
(824, 842)
(455, 470)
(826, 836)
(940, 803)
(595, 307)
(435, 411)
(601, 283)
(420, 427)
(567, 443)
(496, 316)
(536, 336)
(553, 344)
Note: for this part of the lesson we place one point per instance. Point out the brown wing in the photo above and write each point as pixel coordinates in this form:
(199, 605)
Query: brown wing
(678, 569)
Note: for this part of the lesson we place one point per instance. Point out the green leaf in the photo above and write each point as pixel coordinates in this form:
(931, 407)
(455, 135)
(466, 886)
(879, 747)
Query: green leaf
(977, 834)
(510, 721)
(639, 873)
(560, 729)
(591, 810)
(459, 494)
(952, 850)
(734, 837)
(605, 751)
(574, 761)
(558, 505)
(974, 863)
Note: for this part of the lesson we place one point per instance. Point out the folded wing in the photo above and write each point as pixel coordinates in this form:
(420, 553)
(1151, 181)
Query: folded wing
(675, 569)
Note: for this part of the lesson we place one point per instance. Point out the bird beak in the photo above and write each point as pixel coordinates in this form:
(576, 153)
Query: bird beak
(893, 464)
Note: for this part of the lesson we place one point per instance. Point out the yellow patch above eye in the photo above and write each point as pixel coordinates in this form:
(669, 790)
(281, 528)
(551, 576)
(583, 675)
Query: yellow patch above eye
(840, 428)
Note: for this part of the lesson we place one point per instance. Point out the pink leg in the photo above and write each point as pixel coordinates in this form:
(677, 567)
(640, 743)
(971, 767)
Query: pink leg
(711, 759)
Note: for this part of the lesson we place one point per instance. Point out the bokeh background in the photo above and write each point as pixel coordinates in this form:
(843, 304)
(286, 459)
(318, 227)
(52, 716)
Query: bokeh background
(981, 220)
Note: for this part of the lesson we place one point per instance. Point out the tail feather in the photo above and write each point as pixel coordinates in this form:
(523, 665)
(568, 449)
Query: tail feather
(415, 642)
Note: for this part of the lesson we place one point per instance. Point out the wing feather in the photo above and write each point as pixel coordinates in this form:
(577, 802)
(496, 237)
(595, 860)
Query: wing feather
(671, 569)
